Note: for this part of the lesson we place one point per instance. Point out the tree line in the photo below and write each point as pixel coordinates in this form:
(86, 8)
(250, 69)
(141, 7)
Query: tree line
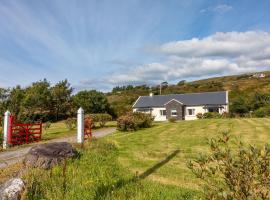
(46, 102)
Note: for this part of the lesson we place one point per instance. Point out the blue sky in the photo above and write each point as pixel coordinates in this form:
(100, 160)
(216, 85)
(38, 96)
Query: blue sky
(100, 44)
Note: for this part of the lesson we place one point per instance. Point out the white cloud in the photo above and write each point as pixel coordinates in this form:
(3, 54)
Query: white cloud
(230, 44)
(217, 54)
(220, 9)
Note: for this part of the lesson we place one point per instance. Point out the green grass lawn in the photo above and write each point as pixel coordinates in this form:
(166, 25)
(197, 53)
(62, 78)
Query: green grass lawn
(145, 149)
(147, 164)
(59, 129)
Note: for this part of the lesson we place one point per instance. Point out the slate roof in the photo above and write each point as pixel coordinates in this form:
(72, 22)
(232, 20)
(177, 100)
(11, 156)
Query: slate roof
(189, 99)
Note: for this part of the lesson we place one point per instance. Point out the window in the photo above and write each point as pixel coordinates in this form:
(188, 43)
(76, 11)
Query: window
(213, 109)
(162, 112)
(191, 112)
(173, 112)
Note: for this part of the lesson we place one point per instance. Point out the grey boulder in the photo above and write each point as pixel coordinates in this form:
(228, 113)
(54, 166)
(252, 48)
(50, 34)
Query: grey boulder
(48, 155)
(12, 189)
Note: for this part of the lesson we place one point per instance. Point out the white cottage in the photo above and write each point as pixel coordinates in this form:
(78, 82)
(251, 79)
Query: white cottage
(182, 106)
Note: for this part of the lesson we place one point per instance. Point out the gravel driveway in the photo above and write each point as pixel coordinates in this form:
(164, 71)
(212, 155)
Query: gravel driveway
(13, 156)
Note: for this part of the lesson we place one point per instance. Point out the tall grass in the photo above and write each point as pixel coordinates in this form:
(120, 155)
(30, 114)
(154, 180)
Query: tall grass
(96, 174)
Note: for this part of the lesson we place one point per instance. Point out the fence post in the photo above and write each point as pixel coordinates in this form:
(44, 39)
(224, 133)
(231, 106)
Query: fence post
(80, 125)
(6, 129)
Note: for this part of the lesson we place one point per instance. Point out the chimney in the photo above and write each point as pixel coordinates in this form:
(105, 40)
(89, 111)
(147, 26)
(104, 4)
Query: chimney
(151, 94)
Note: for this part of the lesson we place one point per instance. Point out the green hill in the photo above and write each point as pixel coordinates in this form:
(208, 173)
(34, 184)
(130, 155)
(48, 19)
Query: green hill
(245, 85)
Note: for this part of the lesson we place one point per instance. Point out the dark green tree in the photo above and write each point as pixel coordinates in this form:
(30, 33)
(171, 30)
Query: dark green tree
(3, 99)
(37, 100)
(61, 97)
(92, 101)
(239, 106)
(16, 97)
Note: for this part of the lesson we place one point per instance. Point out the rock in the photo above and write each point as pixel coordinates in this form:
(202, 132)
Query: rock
(12, 189)
(46, 156)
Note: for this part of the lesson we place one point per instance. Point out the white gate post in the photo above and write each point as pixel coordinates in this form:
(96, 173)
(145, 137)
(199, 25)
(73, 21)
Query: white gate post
(6, 128)
(80, 125)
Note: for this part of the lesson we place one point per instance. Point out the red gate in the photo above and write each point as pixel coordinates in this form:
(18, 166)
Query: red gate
(20, 133)
(88, 122)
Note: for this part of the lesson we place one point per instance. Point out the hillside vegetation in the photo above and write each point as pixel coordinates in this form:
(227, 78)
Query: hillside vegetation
(244, 86)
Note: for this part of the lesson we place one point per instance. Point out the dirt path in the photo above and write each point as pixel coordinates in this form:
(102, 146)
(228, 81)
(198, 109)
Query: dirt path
(11, 157)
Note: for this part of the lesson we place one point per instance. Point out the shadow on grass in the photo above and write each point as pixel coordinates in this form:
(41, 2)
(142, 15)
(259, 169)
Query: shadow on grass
(104, 190)
(158, 165)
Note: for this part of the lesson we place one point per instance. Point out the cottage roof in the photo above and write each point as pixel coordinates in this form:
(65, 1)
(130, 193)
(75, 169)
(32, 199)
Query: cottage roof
(189, 99)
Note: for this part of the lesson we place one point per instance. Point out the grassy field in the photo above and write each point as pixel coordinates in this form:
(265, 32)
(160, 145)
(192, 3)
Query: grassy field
(147, 149)
(147, 164)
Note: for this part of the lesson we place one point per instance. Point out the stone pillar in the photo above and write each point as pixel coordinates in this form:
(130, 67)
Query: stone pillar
(6, 129)
(80, 125)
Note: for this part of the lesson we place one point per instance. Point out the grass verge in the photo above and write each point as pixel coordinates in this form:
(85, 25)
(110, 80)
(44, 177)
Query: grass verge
(97, 174)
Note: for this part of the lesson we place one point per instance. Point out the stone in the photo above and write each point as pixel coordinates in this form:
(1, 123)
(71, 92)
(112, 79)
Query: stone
(12, 189)
(46, 156)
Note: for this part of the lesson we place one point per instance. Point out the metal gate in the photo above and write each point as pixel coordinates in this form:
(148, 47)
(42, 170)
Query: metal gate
(23, 133)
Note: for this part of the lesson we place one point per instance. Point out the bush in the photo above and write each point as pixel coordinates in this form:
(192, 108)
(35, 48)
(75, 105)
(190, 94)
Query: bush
(239, 106)
(233, 173)
(261, 112)
(211, 115)
(133, 121)
(126, 123)
(172, 119)
(143, 120)
(199, 115)
(225, 115)
(70, 123)
(100, 118)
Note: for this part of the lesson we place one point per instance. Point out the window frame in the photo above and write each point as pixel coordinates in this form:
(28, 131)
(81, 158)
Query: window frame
(174, 110)
(161, 112)
(213, 109)
(192, 110)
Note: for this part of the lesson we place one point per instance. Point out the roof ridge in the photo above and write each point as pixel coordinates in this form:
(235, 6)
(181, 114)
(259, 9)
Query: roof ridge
(184, 93)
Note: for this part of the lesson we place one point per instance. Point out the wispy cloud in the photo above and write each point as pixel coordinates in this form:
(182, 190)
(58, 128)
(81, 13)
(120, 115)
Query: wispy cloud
(220, 9)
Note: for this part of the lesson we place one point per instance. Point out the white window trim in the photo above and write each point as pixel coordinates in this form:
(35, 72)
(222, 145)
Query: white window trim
(174, 110)
(161, 111)
(193, 112)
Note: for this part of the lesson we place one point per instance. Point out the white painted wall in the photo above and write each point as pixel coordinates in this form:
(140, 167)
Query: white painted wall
(156, 114)
(198, 109)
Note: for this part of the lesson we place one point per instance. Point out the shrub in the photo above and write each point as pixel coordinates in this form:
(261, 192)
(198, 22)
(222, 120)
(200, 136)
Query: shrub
(172, 119)
(100, 118)
(239, 106)
(211, 115)
(143, 120)
(133, 121)
(233, 173)
(104, 118)
(70, 123)
(261, 112)
(126, 123)
(199, 115)
(225, 115)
